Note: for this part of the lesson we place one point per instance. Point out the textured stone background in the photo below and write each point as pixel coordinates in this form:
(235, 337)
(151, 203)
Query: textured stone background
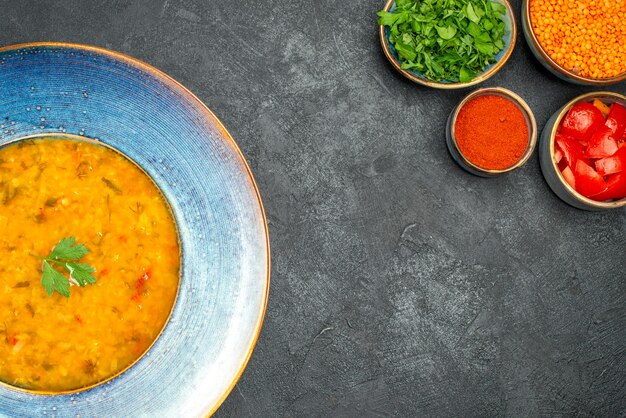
(401, 285)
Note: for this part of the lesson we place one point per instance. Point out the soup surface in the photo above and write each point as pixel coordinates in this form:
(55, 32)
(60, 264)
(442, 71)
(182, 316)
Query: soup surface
(55, 188)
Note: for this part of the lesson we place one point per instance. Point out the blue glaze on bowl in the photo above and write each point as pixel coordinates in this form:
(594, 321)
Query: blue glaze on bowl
(136, 109)
(509, 44)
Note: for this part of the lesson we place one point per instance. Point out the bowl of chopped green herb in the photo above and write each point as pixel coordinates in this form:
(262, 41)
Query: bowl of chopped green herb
(447, 44)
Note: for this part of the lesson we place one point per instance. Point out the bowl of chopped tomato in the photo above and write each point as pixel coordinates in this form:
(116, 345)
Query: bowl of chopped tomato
(583, 151)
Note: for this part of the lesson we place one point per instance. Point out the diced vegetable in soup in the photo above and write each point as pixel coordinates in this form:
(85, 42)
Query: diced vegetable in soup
(68, 195)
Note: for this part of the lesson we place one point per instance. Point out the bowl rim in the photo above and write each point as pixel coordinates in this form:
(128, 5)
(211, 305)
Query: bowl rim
(456, 85)
(553, 129)
(532, 38)
(530, 122)
(169, 80)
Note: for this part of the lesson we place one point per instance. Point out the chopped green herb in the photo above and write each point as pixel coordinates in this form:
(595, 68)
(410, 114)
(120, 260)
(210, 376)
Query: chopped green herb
(20, 285)
(111, 185)
(30, 309)
(452, 40)
(83, 169)
(66, 255)
(7, 192)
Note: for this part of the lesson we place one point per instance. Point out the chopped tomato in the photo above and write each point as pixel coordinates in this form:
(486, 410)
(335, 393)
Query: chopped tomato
(557, 156)
(140, 285)
(616, 121)
(602, 144)
(568, 174)
(582, 120)
(616, 187)
(571, 149)
(588, 182)
(590, 152)
(613, 164)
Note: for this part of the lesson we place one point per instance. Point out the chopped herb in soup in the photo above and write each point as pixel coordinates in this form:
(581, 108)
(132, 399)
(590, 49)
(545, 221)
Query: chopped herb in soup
(90, 265)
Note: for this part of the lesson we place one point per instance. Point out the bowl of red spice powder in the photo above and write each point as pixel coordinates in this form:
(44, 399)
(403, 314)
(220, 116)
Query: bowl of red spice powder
(492, 131)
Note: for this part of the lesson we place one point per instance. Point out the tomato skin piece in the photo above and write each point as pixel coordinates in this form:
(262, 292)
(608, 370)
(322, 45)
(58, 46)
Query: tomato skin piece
(571, 149)
(616, 188)
(602, 144)
(616, 121)
(140, 284)
(568, 174)
(581, 121)
(558, 155)
(613, 164)
(588, 182)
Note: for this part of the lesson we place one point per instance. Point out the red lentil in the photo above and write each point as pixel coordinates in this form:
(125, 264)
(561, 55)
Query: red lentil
(585, 37)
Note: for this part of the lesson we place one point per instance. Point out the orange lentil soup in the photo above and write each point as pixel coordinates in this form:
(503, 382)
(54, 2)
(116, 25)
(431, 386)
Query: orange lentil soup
(54, 188)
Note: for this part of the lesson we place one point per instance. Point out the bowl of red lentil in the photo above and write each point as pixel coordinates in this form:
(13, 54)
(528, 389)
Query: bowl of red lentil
(556, 152)
(580, 41)
(491, 132)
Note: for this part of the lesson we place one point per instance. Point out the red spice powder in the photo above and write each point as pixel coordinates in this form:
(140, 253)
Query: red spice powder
(491, 132)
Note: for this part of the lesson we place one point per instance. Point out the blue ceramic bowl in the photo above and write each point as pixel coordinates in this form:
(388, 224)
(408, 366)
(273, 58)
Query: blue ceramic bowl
(549, 167)
(146, 115)
(550, 64)
(501, 57)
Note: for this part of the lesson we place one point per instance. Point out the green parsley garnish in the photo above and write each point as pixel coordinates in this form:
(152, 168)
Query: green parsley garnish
(65, 255)
(452, 40)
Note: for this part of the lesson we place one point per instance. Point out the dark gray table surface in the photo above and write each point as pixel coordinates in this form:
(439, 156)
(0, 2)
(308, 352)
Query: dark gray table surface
(401, 286)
